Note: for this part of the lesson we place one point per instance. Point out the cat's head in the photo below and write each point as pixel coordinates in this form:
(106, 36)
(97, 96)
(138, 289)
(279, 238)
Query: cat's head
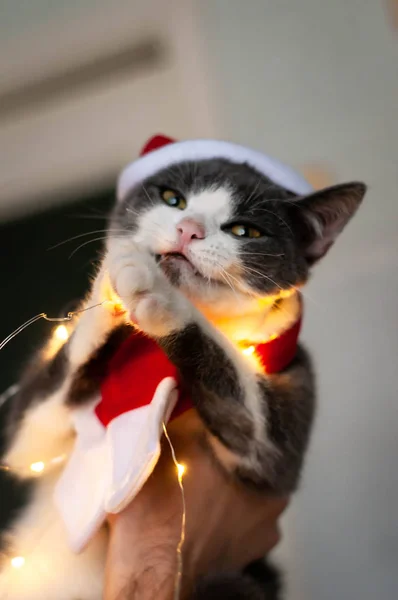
(224, 233)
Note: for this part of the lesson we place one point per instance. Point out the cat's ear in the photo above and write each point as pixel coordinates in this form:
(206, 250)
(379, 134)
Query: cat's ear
(324, 214)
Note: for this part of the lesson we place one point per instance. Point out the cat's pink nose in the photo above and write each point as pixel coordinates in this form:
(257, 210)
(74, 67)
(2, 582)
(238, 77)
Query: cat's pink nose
(189, 230)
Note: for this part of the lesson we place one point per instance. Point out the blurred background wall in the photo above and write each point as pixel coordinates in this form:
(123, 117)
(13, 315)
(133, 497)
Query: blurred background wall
(82, 84)
(316, 83)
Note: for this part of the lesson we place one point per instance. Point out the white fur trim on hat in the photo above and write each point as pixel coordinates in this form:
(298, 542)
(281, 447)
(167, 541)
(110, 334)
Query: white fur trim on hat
(190, 150)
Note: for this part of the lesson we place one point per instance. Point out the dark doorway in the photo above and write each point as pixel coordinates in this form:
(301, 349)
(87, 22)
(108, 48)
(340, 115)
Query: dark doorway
(35, 278)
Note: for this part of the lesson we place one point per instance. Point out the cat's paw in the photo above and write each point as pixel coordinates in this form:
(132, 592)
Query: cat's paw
(151, 301)
(160, 313)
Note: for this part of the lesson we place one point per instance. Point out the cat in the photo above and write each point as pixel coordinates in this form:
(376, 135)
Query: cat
(198, 251)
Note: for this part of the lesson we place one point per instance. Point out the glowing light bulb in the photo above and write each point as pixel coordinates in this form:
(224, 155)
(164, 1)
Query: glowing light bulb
(61, 333)
(118, 309)
(17, 562)
(37, 467)
(180, 470)
(248, 351)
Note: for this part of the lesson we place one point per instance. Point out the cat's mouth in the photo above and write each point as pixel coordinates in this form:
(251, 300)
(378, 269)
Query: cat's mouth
(172, 260)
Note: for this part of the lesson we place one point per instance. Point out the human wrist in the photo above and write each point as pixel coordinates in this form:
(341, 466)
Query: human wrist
(142, 561)
(138, 569)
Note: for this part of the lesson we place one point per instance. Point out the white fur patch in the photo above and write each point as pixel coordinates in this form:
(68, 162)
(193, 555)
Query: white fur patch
(214, 204)
(45, 433)
(51, 571)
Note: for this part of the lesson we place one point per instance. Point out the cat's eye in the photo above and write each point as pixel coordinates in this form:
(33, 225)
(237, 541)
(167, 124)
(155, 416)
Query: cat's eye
(174, 199)
(245, 231)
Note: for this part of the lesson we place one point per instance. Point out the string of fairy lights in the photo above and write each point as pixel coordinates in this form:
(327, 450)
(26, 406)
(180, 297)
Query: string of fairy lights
(38, 468)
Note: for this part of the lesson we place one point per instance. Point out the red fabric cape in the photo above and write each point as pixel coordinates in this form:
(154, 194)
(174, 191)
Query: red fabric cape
(139, 365)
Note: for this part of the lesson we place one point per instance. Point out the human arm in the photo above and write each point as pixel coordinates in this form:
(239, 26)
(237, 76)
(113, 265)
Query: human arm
(227, 525)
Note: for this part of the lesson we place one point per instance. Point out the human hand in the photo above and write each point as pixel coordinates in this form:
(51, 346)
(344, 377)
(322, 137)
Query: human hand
(227, 525)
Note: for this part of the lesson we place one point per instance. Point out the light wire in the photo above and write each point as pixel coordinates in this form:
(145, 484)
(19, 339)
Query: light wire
(44, 316)
(178, 578)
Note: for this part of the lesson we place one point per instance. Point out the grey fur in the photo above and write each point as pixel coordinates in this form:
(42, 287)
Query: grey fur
(89, 376)
(288, 405)
(213, 384)
(40, 379)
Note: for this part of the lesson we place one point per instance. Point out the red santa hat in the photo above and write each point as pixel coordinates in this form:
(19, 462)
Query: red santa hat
(161, 152)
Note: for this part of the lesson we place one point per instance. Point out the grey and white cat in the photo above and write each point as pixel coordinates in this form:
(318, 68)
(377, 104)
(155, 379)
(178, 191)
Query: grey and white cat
(197, 252)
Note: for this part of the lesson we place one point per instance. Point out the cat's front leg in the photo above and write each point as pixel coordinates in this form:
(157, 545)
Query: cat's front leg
(40, 427)
(150, 300)
(258, 426)
(100, 314)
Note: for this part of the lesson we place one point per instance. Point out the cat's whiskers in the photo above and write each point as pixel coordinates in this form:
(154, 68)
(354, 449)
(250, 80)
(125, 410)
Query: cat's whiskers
(94, 213)
(97, 239)
(239, 287)
(292, 286)
(253, 197)
(88, 217)
(299, 290)
(227, 277)
(292, 201)
(282, 308)
(246, 253)
(228, 283)
(139, 214)
(196, 170)
(275, 214)
(80, 235)
(181, 182)
(151, 200)
(230, 276)
(250, 197)
(133, 211)
(251, 270)
(181, 175)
